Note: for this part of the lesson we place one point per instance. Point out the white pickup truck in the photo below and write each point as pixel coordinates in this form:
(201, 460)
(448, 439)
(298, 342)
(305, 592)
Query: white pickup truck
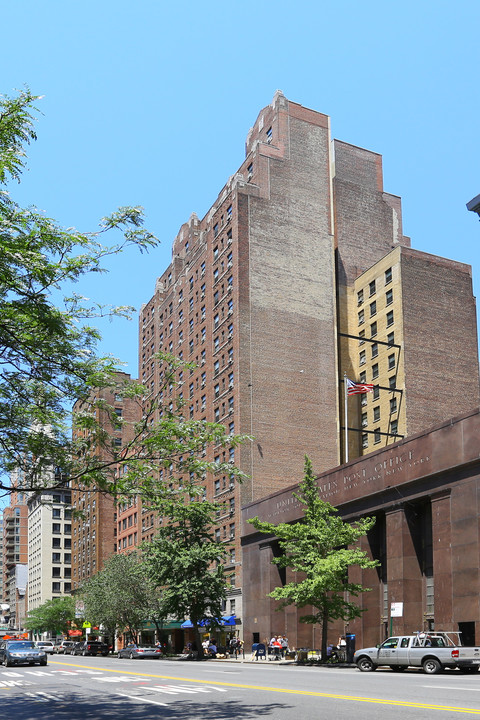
(432, 651)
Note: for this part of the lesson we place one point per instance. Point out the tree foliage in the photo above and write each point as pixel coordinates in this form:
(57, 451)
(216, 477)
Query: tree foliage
(49, 357)
(48, 348)
(120, 597)
(53, 617)
(185, 561)
(321, 549)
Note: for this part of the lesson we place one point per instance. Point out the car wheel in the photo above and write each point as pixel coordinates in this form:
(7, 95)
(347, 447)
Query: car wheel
(7, 662)
(365, 664)
(119, 656)
(84, 653)
(131, 656)
(43, 662)
(431, 666)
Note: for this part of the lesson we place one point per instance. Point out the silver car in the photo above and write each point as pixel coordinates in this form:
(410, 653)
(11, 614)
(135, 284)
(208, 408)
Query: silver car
(133, 651)
(21, 652)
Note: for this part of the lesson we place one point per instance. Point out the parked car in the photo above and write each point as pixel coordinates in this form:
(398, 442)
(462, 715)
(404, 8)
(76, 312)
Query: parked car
(63, 646)
(133, 651)
(90, 647)
(21, 652)
(46, 645)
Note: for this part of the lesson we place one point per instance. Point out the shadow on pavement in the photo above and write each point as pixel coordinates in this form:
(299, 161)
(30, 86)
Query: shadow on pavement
(81, 708)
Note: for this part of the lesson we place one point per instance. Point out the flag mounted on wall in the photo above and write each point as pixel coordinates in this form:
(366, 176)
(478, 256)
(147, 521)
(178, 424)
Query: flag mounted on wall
(354, 388)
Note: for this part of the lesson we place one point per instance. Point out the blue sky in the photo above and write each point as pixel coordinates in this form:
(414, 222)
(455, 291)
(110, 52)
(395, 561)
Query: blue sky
(149, 103)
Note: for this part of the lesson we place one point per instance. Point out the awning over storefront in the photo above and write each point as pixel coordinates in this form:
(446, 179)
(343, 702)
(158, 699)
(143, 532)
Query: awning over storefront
(226, 620)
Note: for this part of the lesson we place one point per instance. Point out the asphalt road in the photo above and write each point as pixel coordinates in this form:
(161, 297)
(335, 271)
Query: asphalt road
(107, 688)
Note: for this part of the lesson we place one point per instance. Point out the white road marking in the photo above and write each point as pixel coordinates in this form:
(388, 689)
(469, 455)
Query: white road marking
(10, 673)
(142, 699)
(461, 688)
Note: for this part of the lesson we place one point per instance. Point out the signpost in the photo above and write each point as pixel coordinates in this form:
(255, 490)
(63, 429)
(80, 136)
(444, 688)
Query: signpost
(396, 610)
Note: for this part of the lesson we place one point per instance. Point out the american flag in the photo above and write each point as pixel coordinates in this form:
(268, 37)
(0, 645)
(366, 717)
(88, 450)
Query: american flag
(354, 388)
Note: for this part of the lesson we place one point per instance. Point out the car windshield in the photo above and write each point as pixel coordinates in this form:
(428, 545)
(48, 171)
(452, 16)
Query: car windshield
(44, 644)
(20, 645)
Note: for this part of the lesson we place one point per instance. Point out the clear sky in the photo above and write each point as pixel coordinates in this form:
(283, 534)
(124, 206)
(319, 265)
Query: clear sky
(150, 102)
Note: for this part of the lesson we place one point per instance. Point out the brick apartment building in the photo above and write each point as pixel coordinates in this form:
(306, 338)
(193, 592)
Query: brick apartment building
(95, 533)
(298, 274)
(15, 554)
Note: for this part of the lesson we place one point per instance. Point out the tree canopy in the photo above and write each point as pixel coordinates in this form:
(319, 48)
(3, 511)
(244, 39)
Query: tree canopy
(53, 617)
(48, 348)
(321, 549)
(50, 360)
(186, 561)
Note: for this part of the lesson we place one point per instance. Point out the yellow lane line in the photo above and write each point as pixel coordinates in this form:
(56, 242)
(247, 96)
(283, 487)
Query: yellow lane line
(310, 693)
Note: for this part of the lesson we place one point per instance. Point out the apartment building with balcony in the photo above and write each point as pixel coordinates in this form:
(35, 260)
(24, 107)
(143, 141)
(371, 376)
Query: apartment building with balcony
(15, 554)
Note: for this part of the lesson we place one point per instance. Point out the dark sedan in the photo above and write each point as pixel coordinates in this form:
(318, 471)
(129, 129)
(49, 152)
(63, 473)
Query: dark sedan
(136, 651)
(21, 652)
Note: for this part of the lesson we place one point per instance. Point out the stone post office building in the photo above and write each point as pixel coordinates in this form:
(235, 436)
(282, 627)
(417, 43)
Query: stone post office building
(425, 493)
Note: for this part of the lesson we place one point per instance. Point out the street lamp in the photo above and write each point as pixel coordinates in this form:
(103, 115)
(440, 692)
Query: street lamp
(474, 205)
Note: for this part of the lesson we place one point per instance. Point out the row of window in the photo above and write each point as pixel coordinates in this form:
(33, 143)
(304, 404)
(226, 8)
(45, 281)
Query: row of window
(57, 587)
(373, 312)
(376, 412)
(372, 287)
(377, 435)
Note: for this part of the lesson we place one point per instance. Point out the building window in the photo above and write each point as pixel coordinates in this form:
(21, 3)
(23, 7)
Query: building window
(394, 428)
(376, 413)
(373, 308)
(364, 440)
(360, 297)
(363, 376)
(362, 358)
(388, 276)
(376, 437)
(56, 557)
(389, 297)
(375, 371)
(371, 288)
(361, 335)
(374, 350)
(249, 172)
(229, 212)
(373, 329)
(269, 135)
(391, 338)
(56, 527)
(56, 542)
(56, 587)
(361, 317)
(56, 512)
(56, 572)
(391, 361)
(364, 419)
(390, 318)
(376, 392)
(393, 405)
(392, 382)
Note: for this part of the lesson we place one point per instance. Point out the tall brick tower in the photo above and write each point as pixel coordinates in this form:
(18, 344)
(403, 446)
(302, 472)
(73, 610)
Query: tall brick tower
(262, 294)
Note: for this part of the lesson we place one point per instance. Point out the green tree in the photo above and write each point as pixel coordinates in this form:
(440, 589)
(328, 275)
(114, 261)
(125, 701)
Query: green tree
(48, 348)
(49, 355)
(120, 596)
(54, 616)
(185, 561)
(321, 549)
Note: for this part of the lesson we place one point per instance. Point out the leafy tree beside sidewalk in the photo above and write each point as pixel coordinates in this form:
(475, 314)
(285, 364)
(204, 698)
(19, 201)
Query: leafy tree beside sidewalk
(321, 549)
(53, 617)
(185, 561)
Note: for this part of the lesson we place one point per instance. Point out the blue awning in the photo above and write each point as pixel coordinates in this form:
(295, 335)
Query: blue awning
(225, 620)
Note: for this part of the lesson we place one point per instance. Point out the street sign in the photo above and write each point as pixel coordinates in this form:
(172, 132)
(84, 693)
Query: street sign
(396, 609)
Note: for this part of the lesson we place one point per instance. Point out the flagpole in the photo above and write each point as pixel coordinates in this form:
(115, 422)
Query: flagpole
(346, 416)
